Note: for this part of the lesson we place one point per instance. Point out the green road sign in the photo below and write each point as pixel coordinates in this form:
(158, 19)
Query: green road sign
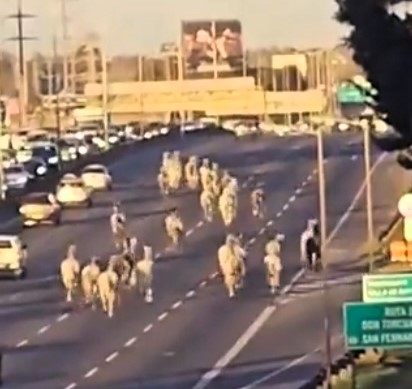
(383, 325)
(389, 288)
(349, 94)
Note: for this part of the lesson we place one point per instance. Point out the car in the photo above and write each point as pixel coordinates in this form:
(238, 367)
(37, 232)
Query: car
(36, 168)
(97, 177)
(40, 208)
(48, 152)
(71, 191)
(16, 177)
(13, 256)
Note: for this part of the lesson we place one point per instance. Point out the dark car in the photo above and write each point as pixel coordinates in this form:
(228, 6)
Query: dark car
(36, 167)
(48, 153)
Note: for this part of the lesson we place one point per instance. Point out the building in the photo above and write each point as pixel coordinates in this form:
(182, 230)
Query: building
(129, 101)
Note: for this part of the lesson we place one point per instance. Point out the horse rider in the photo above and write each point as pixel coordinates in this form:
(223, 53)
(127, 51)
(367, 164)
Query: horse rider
(69, 272)
(89, 276)
(257, 199)
(174, 226)
(118, 225)
(144, 270)
(273, 262)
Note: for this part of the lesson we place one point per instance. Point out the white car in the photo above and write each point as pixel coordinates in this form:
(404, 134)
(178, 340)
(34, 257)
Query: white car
(13, 256)
(16, 177)
(97, 177)
(72, 191)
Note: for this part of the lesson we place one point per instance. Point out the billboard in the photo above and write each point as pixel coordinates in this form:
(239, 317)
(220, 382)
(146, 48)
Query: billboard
(209, 45)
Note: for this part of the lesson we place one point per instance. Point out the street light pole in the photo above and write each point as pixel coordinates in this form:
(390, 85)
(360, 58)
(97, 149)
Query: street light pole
(369, 201)
(323, 232)
(105, 98)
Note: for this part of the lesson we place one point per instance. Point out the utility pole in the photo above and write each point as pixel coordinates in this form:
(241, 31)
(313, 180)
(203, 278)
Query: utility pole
(20, 38)
(65, 39)
(56, 91)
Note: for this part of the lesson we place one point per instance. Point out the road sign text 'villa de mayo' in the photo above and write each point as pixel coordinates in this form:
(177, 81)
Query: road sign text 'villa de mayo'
(389, 288)
(384, 318)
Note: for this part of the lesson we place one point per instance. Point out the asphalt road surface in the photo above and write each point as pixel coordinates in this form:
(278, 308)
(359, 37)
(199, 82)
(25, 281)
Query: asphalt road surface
(176, 341)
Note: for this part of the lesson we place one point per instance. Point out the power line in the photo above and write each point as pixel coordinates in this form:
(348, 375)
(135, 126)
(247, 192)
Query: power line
(20, 39)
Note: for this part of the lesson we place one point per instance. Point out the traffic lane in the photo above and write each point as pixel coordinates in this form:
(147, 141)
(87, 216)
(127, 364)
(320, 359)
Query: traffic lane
(353, 240)
(294, 334)
(168, 277)
(388, 183)
(82, 326)
(44, 298)
(137, 186)
(126, 192)
(219, 322)
(225, 334)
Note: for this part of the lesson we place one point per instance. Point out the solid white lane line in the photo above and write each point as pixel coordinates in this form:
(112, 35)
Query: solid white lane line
(277, 372)
(236, 349)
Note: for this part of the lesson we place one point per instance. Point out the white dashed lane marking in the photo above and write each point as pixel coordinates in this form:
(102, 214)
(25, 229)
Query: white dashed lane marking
(62, 317)
(43, 329)
(112, 356)
(91, 372)
(191, 293)
(148, 328)
(177, 304)
(130, 342)
(22, 343)
(162, 316)
(71, 386)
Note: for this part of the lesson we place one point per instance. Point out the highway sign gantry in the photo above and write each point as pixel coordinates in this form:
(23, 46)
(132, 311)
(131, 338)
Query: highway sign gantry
(380, 325)
(387, 288)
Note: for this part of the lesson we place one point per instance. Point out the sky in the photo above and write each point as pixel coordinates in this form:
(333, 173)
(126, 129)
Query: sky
(140, 26)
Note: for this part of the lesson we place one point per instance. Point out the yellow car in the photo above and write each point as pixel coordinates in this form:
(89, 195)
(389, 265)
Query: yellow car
(97, 177)
(13, 256)
(40, 208)
(72, 192)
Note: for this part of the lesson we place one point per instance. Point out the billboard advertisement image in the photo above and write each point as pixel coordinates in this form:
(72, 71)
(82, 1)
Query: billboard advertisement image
(209, 43)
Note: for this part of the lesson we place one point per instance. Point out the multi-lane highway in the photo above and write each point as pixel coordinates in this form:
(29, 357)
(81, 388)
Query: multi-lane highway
(192, 325)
